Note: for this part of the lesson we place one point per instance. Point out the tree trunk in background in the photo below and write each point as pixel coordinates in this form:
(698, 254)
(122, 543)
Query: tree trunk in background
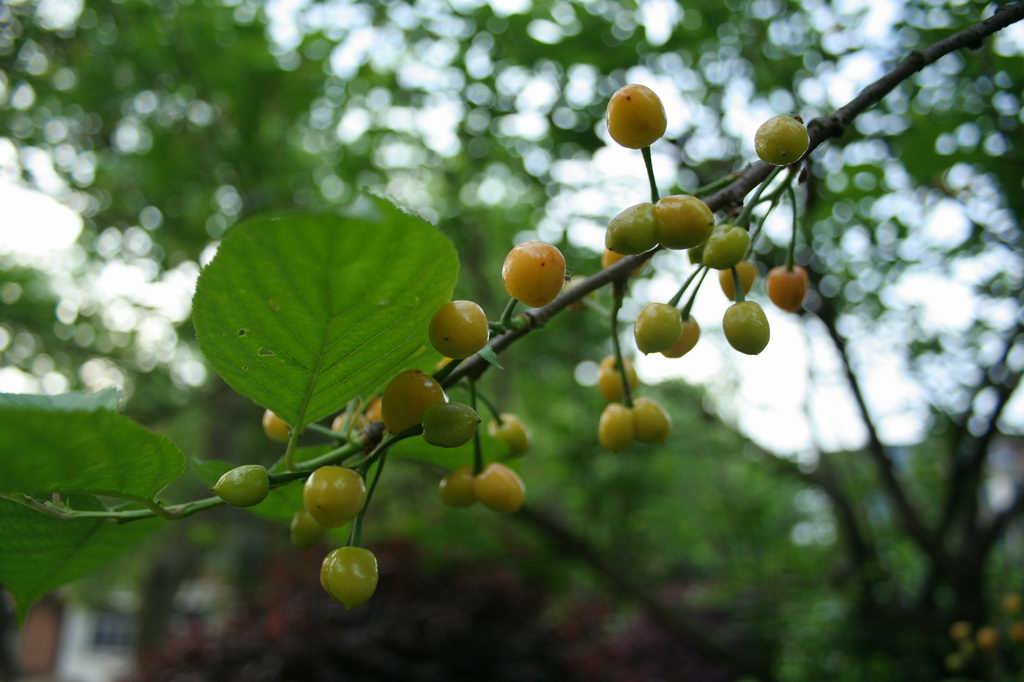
(7, 632)
(172, 566)
(178, 558)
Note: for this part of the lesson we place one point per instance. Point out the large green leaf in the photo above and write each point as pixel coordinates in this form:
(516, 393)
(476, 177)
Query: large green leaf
(101, 400)
(100, 453)
(41, 553)
(301, 312)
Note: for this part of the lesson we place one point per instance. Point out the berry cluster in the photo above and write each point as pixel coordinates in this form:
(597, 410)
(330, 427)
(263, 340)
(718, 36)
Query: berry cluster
(636, 119)
(987, 640)
(534, 273)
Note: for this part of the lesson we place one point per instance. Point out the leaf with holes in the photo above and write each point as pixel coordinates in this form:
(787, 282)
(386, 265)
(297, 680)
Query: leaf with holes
(301, 312)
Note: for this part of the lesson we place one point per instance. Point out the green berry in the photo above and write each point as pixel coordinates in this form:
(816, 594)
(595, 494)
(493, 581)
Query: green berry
(304, 531)
(746, 327)
(632, 231)
(349, 574)
(243, 486)
(726, 247)
(696, 254)
(781, 140)
(449, 425)
(657, 327)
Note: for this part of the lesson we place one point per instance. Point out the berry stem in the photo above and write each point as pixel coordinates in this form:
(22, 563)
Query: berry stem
(506, 315)
(674, 301)
(715, 184)
(748, 208)
(618, 292)
(323, 430)
(356, 536)
(790, 254)
(756, 232)
(487, 403)
(442, 374)
(737, 285)
(289, 451)
(478, 451)
(649, 163)
(693, 296)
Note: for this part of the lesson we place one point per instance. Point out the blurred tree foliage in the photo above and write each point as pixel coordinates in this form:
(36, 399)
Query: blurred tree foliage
(162, 123)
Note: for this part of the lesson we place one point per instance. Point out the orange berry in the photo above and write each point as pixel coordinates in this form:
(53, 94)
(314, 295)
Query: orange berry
(534, 273)
(787, 288)
(686, 341)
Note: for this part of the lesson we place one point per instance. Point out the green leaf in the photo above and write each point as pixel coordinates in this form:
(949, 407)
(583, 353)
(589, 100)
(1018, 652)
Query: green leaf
(101, 400)
(98, 453)
(488, 354)
(301, 312)
(41, 553)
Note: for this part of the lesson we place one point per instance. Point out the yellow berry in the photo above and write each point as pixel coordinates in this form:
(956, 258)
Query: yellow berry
(636, 117)
(499, 488)
(407, 397)
(609, 258)
(747, 272)
(1010, 602)
(510, 431)
(459, 329)
(615, 429)
(349, 574)
(609, 378)
(683, 221)
(960, 630)
(1017, 632)
(651, 423)
(333, 495)
(276, 428)
(341, 423)
(781, 140)
(456, 489)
